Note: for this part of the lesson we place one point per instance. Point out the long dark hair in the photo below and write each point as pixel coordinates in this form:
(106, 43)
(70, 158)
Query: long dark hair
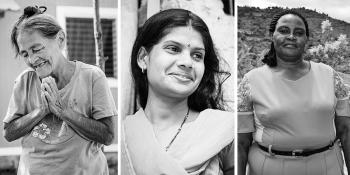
(270, 57)
(33, 19)
(209, 92)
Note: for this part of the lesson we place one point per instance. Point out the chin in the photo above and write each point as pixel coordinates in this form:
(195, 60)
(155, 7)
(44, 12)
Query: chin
(43, 74)
(182, 91)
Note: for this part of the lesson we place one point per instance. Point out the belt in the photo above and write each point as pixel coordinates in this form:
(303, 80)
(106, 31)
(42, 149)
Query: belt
(297, 152)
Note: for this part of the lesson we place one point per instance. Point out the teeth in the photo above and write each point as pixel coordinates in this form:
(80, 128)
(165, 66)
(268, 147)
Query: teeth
(39, 65)
(183, 76)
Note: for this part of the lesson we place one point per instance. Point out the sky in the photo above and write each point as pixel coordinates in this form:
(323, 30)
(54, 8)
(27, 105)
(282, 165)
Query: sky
(338, 9)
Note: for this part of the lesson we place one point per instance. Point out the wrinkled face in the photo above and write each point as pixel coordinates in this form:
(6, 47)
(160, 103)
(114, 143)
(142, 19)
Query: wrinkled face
(175, 65)
(39, 53)
(289, 38)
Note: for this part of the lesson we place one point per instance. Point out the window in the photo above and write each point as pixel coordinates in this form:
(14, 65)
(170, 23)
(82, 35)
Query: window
(78, 25)
(81, 42)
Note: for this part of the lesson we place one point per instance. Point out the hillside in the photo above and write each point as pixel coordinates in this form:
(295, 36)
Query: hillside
(253, 23)
(254, 39)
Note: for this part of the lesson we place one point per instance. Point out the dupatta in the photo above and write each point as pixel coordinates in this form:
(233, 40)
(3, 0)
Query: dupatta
(194, 150)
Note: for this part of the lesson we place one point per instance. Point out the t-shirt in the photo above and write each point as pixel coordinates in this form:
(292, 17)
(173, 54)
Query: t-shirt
(291, 114)
(53, 147)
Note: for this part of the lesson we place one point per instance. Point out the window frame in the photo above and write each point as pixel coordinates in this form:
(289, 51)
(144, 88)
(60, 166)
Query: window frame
(63, 12)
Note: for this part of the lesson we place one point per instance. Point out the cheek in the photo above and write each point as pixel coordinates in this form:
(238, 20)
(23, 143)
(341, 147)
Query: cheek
(27, 62)
(277, 40)
(200, 68)
(302, 41)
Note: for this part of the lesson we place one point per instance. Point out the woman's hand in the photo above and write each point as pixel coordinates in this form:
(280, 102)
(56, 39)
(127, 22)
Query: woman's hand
(50, 92)
(44, 106)
(342, 125)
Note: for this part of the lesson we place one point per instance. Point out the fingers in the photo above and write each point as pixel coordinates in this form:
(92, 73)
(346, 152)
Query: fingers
(50, 99)
(48, 84)
(52, 84)
(46, 87)
(43, 99)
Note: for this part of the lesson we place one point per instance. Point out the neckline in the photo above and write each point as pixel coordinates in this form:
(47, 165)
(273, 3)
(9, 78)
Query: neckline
(299, 79)
(193, 124)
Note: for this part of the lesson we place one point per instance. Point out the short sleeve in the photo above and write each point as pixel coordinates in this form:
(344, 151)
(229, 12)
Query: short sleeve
(18, 100)
(102, 100)
(341, 91)
(245, 107)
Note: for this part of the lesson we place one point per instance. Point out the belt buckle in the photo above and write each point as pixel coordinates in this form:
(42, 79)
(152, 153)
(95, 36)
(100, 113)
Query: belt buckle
(270, 151)
(296, 152)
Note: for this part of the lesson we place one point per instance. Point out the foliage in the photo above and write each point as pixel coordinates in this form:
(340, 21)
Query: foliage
(332, 50)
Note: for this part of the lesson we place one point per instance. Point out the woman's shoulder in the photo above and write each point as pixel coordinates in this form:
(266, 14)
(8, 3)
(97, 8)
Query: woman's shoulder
(257, 71)
(321, 66)
(216, 112)
(26, 75)
(90, 70)
(217, 121)
(321, 69)
(132, 117)
(217, 116)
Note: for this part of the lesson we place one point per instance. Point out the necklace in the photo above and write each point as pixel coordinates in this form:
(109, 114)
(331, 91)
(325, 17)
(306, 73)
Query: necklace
(178, 131)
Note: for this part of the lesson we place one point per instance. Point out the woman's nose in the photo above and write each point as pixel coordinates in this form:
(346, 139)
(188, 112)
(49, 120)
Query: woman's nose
(32, 58)
(291, 37)
(185, 61)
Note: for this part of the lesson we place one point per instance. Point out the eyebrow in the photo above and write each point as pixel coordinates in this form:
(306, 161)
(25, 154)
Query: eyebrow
(283, 26)
(31, 47)
(181, 44)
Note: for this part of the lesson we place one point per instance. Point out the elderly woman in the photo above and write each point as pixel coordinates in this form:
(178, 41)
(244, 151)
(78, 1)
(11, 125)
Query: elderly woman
(179, 129)
(288, 107)
(61, 109)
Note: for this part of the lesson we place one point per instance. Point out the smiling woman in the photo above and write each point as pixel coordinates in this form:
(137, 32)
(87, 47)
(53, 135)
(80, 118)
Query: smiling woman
(289, 107)
(61, 109)
(177, 79)
(182, 70)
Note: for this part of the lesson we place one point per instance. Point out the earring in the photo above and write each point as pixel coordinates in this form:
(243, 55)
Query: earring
(143, 70)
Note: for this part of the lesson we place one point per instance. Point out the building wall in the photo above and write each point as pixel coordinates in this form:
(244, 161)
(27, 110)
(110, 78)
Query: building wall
(10, 67)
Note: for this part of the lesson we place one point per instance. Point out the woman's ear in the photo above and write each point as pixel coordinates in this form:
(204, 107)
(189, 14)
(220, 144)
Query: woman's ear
(142, 59)
(61, 39)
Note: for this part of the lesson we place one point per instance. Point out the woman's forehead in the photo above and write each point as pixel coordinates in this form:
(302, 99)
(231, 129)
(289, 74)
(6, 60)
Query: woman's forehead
(290, 19)
(183, 34)
(29, 38)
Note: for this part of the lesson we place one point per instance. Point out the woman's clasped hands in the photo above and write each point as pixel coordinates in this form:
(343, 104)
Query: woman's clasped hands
(51, 99)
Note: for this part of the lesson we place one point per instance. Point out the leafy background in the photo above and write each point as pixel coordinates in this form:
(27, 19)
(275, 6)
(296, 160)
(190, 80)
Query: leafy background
(328, 41)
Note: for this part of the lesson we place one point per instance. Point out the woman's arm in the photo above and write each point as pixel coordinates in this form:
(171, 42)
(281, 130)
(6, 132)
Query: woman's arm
(244, 143)
(23, 124)
(100, 131)
(342, 125)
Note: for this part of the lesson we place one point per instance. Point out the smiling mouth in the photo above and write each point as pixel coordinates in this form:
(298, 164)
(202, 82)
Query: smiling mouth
(36, 66)
(294, 46)
(182, 77)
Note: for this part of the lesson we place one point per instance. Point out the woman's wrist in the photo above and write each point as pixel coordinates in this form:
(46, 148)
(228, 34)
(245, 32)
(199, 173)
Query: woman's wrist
(43, 111)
